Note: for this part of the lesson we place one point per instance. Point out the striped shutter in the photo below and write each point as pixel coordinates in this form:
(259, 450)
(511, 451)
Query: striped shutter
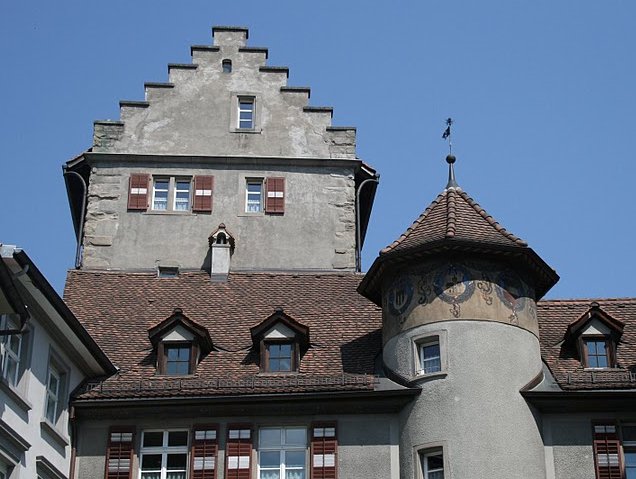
(138, 191)
(204, 452)
(607, 452)
(238, 451)
(120, 453)
(275, 195)
(324, 451)
(203, 187)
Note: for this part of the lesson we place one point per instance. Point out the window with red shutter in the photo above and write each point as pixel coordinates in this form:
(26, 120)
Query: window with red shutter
(204, 452)
(607, 452)
(119, 453)
(138, 191)
(238, 452)
(275, 195)
(203, 187)
(324, 451)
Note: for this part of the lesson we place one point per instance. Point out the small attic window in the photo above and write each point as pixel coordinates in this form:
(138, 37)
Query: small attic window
(167, 271)
(597, 352)
(227, 66)
(221, 239)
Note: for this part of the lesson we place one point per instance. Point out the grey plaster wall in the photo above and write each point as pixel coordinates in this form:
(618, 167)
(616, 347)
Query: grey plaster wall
(317, 230)
(195, 112)
(473, 408)
(367, 443)
(568, 443)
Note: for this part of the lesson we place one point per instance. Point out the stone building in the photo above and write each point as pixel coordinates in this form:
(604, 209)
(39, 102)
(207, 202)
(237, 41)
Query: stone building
(218, 271)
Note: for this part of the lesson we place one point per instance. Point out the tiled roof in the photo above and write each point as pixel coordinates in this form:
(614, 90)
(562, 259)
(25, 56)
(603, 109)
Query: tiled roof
(118, 309)
(454, 215)
(562, 357)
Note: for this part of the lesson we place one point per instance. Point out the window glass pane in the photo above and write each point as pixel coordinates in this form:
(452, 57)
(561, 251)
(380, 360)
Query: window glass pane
(269, 437)
(246, 115)
(178, 438)
(591, 347)
(176, 475)
(53, 383)
(629, 433)
(435, 462)
(270, 474)
(151, 475)
(295, 474)
(177, 461)
(161, 185)
(269, 459)
(151, 461)
(153, 439)
(51, 406)
(601, 361)
(296, 436)
(295, 458)
(630, 458)
(284, 365)
(178, 368)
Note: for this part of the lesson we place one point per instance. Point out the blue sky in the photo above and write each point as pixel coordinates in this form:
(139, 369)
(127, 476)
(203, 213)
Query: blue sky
(543, 94)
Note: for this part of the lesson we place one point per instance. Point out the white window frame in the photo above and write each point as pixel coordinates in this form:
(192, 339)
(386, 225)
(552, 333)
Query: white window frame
(420, 341)
(421, 348)
(283, 449)
(163, 450)
(248, 100)
(9, 355)
(426, 472)
(54, 396)
(261, 206)
(173, 190)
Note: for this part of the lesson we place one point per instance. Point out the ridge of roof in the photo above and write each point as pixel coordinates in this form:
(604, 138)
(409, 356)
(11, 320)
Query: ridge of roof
(445, 218)
(583, 301)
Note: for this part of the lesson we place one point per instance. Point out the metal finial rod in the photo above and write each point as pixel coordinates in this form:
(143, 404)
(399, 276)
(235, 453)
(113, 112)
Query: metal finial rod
(450, 159)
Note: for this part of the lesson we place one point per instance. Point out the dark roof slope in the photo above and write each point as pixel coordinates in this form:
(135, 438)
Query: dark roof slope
(562, 357)
(454, 214)
(118, 309)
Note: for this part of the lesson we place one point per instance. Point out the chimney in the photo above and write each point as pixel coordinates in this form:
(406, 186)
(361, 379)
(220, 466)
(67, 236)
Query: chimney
(221, 249)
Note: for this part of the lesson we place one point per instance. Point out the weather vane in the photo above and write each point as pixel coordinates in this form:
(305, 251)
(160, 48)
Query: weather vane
(447, 135)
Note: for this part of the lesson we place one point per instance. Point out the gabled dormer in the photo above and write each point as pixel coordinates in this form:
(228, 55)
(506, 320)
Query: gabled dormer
(596, 335)
(281, 342)
(180, 344)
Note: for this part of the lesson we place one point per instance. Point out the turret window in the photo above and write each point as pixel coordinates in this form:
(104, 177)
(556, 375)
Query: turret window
(430, 358)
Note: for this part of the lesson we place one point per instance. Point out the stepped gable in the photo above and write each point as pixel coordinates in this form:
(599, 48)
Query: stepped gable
(119, 308)
(193, 112)
(562, 357)
(454, 215)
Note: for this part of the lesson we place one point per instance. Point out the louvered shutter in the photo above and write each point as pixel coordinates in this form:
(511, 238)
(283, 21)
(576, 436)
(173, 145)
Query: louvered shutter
(275, 195)
(607, 452)
(138, 191)
(120, 453)
(324, 451)
(204, 452)
(238, 451)
(203, 187)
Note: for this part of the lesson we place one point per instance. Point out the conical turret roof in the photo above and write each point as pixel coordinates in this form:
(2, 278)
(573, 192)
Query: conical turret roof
(455, 223)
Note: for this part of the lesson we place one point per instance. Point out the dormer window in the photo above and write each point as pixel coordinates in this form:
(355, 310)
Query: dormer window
(281, 342)
(596, 334)
(180, 344)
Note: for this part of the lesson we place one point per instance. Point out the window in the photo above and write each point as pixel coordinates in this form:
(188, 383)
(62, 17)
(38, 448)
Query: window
(171, 194)
(253, 196)
(432, 463)
(597, 353)
(11, 352)
(227, 66)
(430, 358)
(4, 470)
(245, 113)
(282, 452)
(53, 390)
(280, 357)
(163, 455)
(167, 271)
(177, 359)
(629, 446)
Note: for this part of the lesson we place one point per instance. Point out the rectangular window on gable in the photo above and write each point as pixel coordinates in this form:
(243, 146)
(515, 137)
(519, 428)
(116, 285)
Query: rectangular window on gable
(245, 113)
(597, 353)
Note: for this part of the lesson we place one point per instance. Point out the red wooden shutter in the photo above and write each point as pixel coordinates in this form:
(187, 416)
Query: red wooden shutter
(324, 451)
(275, 195)
(138, 191)
(204, 452)
(238, 451)
(203, 186)
(120, 453)
(607, 452)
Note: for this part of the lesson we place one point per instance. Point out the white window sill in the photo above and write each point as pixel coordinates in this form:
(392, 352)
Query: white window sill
(170, 213)
(54, 432)
(426, 376)
(247, 130)
(14, 394)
